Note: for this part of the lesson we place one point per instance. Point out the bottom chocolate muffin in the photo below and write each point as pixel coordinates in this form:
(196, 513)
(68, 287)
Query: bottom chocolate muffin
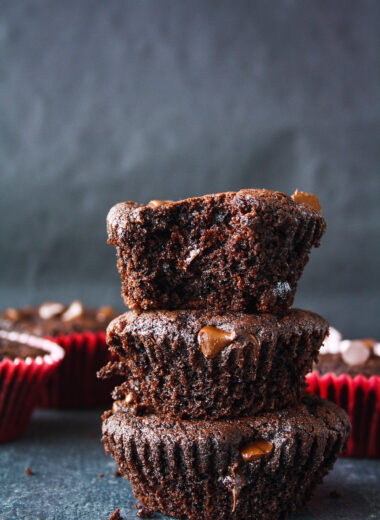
(261, 467)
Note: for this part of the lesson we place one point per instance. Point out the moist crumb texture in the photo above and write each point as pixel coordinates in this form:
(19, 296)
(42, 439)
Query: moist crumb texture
(260, 366)
(238, 250)
(256, 468)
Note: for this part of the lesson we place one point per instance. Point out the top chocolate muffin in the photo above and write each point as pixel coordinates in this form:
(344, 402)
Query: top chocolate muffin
(240, 250)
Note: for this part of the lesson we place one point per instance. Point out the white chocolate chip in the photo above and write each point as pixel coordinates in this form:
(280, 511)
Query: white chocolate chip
(332, 342)
(376, 349)
(75, 310)
(354, 352)
(50, 309)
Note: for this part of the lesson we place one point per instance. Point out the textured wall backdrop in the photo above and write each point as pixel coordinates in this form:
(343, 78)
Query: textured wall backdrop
(107, 101)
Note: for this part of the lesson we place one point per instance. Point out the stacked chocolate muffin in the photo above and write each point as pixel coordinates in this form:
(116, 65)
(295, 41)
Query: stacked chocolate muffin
(212, 421)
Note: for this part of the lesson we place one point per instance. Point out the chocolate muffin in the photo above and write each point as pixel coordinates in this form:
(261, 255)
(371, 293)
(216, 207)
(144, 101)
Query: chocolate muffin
(240, 250)
(26, 364)
(54, 318)
(81, 332)
(191, 364)
(254, 468)
(348, 373)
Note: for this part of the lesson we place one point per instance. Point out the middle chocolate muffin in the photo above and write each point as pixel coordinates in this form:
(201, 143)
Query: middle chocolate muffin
(193, 364)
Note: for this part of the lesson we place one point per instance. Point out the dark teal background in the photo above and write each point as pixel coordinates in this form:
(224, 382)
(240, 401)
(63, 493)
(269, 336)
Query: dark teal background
(103, 101)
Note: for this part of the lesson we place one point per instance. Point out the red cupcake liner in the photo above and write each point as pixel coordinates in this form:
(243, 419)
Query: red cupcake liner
(75, 384)
(360, 397)
(21, 381)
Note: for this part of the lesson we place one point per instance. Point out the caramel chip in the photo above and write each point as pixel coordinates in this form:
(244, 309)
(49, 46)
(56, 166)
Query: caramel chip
(212, 340)
(307, 198)
(75, 310)
(12, 314)
(256, 450)
(156, 203)
(49, 310)
(105, 313)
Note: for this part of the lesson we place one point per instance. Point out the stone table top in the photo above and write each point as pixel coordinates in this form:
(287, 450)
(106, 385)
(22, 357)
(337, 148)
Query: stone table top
(64, 452)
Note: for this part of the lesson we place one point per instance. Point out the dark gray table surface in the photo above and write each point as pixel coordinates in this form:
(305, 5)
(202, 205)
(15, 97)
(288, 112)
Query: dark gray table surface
(64, 451)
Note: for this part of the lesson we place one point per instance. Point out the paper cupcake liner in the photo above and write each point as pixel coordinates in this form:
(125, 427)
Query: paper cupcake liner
(195, 469)
(21, 381)
(360, 397)
(75, 384)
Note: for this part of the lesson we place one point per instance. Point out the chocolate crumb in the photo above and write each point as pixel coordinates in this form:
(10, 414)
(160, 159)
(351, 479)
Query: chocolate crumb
(101, 475)
(116, 515)
(334, 494)
(29, 472)
(116, 473)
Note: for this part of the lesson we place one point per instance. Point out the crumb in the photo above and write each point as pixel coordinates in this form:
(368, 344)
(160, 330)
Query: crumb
(101, 475)
(143, 512)
(29, 472)
(116, 473)
(91, 435)
(334, 494)
(116, 515)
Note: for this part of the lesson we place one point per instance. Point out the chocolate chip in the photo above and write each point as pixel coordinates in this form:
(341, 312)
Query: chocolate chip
(256, 450)
(212, 340)
(156, 203)
(307, 198)
(12, 314)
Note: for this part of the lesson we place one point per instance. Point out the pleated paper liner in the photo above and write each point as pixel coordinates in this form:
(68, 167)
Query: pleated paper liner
(202, 469)
(75, 384)
(360, 397)
(21, 381)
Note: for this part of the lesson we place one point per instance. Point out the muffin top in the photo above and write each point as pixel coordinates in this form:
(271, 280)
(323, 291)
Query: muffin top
(346, 356)
(15, 349)
(299, 205)
(53, 318)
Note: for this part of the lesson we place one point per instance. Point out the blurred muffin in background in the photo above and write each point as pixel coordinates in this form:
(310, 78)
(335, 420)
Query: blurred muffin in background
(81, 332)
(348, 373)
(27, 363)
